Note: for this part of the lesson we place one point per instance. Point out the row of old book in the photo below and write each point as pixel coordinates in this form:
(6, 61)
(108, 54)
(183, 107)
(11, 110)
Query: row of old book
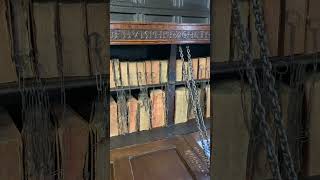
(149, 110)
(76, 152)
(124, 73)
(292, 27)
(48, 38)
(233, 122)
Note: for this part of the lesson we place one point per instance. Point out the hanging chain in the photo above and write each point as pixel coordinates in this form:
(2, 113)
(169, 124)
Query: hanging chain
(193, 94)
(270, 80)
(259, 109)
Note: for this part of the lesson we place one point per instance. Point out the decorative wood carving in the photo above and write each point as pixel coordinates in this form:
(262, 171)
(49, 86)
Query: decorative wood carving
(128, 33)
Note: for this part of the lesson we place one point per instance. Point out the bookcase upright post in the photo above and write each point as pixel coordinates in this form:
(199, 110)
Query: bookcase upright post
(171, 84)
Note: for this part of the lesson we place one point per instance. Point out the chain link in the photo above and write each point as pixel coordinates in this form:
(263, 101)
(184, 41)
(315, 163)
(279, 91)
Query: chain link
(270, 84)
(258, 109)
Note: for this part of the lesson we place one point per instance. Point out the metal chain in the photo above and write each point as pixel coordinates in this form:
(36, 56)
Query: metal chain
(270, 80)
(193, 94)
(258, 109)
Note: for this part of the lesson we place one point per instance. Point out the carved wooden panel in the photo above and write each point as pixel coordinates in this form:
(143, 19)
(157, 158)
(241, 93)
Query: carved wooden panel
(158, 33)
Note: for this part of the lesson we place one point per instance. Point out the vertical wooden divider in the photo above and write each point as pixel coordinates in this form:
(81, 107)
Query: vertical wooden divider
(171, 84)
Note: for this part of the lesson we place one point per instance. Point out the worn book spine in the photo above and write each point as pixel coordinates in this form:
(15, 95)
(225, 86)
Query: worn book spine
(202, 68)
(117, 74)
(44, 15)
(112, 75)
(181, 105)
(208, 99)
(133, 74)
(11, 165)
(295, 24)
(148, 68)
(114, 127)
(7, 66)
(124, 73)
(179, 64)
(221, 30)
(122, 116)
(155, 65)
(195, 64)
(132, 114)
(97, 17)
(208, 68)
(141, 70)
(74, 43)
(164, 71)
(144, 115)
(272, 26)
(313, 27)
(158, 116)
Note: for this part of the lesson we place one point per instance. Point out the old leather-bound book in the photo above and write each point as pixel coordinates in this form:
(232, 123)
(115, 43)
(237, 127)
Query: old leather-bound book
(144, 115)
(271, 10)
(149, 72)
(208, 68)
(114, 127)
(221, 30)
(295, 24)
(141, 70)
(124, 73)
(158, 109)
(112, 75)
(45, 18)
(313, 27)
(208, 98)
(97, 19)
(201, 96)
(133, 74)
(155, 65)
(22, 35)
(195, 63)
(117, 74)
(74, 42)
(230, 130)
(132, 114)
(202, 68)
(164, 71)
(179, 70)
(122, 115)
(7, 66)
(181, 105)
(11, 165)
(244, 13)
(313, 104)
(73, 141)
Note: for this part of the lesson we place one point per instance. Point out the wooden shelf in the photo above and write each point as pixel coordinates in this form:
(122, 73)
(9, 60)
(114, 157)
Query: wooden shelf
(155, 134)
(129, 33)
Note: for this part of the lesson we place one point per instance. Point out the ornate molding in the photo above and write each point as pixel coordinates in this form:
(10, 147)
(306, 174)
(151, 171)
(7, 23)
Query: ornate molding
(159, 33)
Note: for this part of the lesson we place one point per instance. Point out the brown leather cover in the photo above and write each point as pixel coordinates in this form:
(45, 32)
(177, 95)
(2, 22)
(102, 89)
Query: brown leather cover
(132, 114)
(44, 15)
(21, 32)
(295, 24)
(195, 63)
(231, 137)
(141, 69)
(164, 71)
(313, 104)
(313, 27)
(7, 67)
(181, 105)
(113, 118)
(158, 116)
(155, 65)
(148, 72)
(11, 165)
(133, 74)
(202, 68)
(124, 73)
(272, 26)
(73, 140)
(221, 30)
(97, 19)
(179, 70)
(74, 44)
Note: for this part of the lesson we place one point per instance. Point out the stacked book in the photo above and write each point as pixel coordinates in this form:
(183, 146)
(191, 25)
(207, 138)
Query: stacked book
(200, 67)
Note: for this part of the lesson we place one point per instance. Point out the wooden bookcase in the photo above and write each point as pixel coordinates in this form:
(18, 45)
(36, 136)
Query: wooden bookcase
(151, 34)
